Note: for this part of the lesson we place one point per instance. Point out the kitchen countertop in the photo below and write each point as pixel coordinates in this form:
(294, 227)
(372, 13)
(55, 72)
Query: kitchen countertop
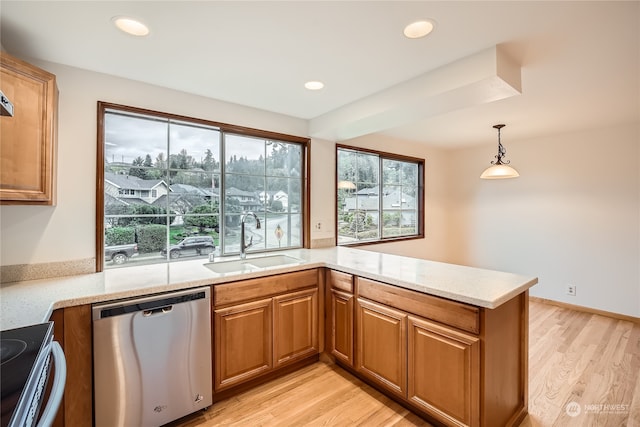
(29, 302)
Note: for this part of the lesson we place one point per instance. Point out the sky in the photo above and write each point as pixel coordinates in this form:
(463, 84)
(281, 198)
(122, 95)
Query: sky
(127, 137)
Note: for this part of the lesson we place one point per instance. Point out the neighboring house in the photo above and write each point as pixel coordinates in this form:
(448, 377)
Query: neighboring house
(268, 197)
(248, 201)
(206, 194)
(367, 200)
(131, 189)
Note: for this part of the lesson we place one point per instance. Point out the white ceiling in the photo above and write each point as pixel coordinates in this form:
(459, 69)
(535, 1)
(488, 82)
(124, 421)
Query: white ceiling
(579, 61)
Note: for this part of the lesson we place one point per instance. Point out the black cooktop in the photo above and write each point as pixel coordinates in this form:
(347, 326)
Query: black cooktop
(19, 350)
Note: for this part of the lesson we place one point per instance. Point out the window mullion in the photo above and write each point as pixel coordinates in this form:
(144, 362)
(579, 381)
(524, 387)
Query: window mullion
(223, 191)
(380, 197)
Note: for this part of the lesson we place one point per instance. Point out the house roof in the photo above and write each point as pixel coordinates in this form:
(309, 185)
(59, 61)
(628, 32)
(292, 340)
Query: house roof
(232, 191)
(192, 189)
(132, 182)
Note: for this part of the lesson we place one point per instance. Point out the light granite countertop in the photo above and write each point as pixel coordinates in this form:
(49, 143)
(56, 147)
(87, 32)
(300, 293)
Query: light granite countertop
(29, 302)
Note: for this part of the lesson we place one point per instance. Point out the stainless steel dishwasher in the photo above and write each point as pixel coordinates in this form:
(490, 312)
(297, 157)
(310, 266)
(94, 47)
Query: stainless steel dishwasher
(152, 358)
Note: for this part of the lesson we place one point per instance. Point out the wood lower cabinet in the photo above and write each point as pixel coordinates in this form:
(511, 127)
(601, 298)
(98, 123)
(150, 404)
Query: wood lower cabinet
(341, 345)
(72, 329)
(444, 372)
(243, 342)
(341, 316)
(262, 325)
(295, 325)
(381, 353)
(28, 139)
(457, 364)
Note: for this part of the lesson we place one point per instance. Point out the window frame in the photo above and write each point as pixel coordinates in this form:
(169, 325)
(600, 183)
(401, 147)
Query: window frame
(382, 155)
(102, 107)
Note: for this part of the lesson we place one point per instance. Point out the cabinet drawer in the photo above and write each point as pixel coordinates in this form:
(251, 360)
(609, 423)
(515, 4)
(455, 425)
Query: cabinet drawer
(458, 315)
(247, 290)
(340, 281)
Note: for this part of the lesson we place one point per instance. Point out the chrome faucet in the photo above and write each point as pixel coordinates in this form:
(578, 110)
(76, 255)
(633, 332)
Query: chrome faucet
(243, 245)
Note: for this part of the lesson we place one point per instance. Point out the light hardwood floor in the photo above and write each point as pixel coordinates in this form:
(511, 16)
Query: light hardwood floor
(588, 359)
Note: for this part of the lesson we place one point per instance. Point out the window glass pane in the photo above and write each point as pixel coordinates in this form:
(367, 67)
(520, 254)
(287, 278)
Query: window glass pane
(129, 139)
(194, 147)
(368, 168)
(358, 196)
(253, 235)
(283, 230)
(409, 176)
(283, 159)
(244, 155)
(163, 181)
(134, 238)
(391, 171)
(370, 209)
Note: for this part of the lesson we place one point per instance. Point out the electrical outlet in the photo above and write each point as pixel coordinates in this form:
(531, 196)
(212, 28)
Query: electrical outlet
(318, 225)
(571, 290)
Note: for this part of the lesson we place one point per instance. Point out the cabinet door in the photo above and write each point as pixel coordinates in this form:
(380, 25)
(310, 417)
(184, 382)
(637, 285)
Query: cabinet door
(342, 326)
(28, 139)
(295, 324)
(444, 372)
(243, 337)
(381, 353)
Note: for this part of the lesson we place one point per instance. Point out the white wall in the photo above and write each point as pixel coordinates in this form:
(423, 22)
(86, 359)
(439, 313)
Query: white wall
(35, 234)
(571, 217)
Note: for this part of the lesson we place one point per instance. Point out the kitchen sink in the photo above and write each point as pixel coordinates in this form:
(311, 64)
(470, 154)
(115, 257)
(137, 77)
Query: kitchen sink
(251, 264)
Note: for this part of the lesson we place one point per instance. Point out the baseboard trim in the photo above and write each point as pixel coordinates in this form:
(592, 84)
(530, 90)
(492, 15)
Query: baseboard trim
(586, 309)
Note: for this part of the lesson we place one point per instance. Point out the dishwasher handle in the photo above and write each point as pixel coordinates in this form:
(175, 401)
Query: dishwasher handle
(160, 310)
(151, 305)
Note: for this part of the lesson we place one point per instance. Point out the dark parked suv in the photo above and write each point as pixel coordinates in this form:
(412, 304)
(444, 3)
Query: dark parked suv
(197, 245)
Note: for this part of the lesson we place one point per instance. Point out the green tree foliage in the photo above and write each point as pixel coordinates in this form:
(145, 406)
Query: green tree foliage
(139, 172)
(358, 167)
(207, 217)
(209, 163)
(161, 162)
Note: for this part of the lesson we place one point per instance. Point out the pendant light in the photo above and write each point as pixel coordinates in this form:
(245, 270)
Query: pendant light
(500, 168)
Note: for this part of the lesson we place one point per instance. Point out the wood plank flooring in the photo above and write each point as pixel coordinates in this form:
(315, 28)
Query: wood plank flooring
(588, 359)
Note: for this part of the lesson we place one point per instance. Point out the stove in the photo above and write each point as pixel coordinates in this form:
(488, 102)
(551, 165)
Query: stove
(24, 368)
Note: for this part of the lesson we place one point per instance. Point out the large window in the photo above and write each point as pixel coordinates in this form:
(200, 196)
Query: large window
(380, 196)
(176, 188)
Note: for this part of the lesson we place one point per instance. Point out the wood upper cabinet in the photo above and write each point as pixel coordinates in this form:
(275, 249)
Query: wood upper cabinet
(28, 139)
(444, 372)
(381, 353)
(341, 315)
(295, 325)
(243, 342)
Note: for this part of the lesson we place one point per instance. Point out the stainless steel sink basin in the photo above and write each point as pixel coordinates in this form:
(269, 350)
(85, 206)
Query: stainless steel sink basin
(251, 264)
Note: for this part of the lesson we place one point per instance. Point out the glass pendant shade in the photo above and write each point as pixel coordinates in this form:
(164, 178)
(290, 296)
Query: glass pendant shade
(500, 168)
(499, 172)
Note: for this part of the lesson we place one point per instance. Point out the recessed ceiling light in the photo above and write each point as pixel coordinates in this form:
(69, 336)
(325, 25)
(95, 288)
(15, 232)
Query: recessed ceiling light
(130, 26)
(314, 85)
(418, 29)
